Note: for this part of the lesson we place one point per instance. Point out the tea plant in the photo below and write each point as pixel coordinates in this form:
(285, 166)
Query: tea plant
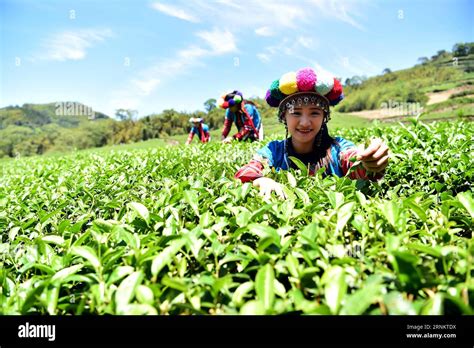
(169, 231)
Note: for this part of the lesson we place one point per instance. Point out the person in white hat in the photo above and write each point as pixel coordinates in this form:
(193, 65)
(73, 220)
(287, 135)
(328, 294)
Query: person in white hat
(200, 129)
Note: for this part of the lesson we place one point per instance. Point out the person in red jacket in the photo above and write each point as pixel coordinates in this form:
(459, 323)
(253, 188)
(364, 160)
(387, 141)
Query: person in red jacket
(245, 116)
(200, 129)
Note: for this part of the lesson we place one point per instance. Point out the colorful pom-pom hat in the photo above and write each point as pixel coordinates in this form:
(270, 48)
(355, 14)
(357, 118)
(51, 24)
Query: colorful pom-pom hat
(230, 99)
(304, 87)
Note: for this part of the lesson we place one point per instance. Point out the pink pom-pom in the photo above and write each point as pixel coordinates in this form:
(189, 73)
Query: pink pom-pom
(305, 79)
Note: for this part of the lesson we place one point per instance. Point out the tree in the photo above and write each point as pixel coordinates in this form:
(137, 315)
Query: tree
(440, 54)
(470, 48)
(355, 81)
(210, 105)
(460, 49)
(423, 60)
(125, 114)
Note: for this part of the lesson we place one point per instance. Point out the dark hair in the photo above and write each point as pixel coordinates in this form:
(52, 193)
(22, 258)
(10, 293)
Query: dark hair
(246, 101)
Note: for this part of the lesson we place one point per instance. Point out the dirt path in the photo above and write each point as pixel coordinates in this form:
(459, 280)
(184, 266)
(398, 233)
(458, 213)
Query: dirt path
(402, 119)
(440, 97)
(372, 114)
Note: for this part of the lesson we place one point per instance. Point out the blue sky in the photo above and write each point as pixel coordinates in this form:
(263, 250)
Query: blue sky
(154, 55)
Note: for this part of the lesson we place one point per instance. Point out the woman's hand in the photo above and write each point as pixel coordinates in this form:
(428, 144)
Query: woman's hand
(227, 140)
(375, 157)
(267, 186)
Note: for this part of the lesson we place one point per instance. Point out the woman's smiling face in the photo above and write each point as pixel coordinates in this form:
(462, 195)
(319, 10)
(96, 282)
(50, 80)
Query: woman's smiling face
(304, 122)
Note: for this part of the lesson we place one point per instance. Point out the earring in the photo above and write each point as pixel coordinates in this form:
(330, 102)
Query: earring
(319, 137)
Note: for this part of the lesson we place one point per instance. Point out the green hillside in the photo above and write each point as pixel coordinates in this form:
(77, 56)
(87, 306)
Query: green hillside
(442, 72)
(36, 129)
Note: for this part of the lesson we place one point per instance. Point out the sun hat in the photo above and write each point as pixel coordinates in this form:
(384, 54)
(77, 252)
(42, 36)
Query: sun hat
(195, 119)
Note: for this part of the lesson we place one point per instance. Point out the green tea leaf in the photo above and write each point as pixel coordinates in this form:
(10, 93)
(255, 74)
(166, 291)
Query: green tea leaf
(192, 199)
(301, 166)
(467, 201)
(53, 239)
(65, 272)
(241, 292)
(264, 285)
(253, 308)
(127, 288)
(166, 256)
(87, 253)
(344, 213)
(141, 210)
(359, 301)
(335, 287)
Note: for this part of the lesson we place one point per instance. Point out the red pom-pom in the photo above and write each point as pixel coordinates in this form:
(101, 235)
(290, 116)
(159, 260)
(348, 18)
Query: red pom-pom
(336, 91)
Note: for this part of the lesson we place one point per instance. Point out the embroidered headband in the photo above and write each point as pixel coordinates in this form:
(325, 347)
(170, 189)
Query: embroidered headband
(299, 99)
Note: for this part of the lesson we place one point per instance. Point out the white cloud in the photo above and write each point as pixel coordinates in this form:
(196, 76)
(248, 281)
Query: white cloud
(280, 13)
(229, 3)
(265, 58)
(358, 65)
(340, 9)
(298, 48)
(271, 16)
(72, 45)
(192, 52)
(264, 31)
(220, 41)
(305, 41)
(174, 11)
(146, 85)
(317, 67)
